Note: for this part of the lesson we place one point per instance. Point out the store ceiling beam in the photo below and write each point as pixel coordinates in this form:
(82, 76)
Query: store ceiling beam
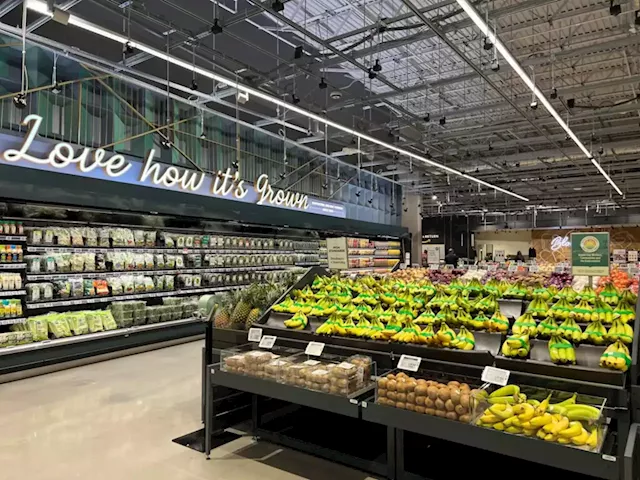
(8, 5)
(68, 5)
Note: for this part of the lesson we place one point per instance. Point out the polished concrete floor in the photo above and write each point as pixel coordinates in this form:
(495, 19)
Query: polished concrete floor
(116, 419)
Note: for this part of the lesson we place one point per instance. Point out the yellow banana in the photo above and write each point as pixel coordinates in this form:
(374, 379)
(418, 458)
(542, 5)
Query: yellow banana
(580, 439)
(592, 441)
(527, 413)
(502, 410)
(561, 425)
(541, 420)
(575, 429)
(490, 419)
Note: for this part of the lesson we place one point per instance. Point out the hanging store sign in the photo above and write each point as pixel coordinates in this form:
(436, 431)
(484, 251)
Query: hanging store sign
(590, 253)
(102, 165)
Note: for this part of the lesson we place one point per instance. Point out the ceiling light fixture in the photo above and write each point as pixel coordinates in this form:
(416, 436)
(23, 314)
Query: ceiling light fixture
(216, 28)
(277, 6)
(40, 6)
(486, 31)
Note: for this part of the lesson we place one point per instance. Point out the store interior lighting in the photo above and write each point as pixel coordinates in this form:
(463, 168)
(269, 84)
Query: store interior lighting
(41, 7)
(488, 33)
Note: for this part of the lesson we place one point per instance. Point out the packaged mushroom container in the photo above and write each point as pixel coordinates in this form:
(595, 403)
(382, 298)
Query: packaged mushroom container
(444, 398)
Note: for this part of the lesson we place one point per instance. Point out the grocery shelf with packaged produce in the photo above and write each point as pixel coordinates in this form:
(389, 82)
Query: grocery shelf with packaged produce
(453, 327)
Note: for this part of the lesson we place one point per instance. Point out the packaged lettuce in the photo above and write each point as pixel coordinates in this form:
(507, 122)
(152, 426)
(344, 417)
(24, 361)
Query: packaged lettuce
(38, 328)
(77, 323)
(107, 320)
(58, 326)
(22, 338)
(8, 339)
(94, 321)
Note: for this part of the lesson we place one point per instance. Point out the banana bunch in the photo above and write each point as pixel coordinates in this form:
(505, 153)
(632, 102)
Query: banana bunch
(348, 325)
(388, 315)
(602, 311)
(438, 299)
(561, 350)
(446, 315)
(498, 323)
(561, 310)
(517, 291)
(446, 336)
(538, 307)
(570, 330)
(429, 336)
(284, 306)
(465, 340)
(479, 322)
(361, 329)
(427, 317)
(525, 325)
(582, 311)
(464, 319)
(487, 304)
(316, 311)
(409, 334)
(543, 293)
(298, 322)
(516, 346)
(330, 326)
(620, 331)
(610, 294)
(406, 314)
(624, 311)
(567, 293)
(375, 330)
(547, 327)
(474, 288)
(629, 297)
(388, 298)
(492, 287)
(616, 356)
(595, 333)
(588, 294)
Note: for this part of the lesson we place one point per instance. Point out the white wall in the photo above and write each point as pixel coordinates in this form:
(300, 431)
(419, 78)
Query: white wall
(509, 241)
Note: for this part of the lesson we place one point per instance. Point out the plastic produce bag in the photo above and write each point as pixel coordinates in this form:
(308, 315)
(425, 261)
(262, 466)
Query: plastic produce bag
(58, 326)
(77, 323)
(107, 320)
(94, 321)
(39, 329)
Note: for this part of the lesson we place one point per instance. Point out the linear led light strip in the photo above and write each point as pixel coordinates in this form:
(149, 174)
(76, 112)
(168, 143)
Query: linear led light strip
(487, 32)
(71, 19)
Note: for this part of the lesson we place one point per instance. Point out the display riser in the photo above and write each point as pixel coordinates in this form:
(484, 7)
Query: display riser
(23, 364)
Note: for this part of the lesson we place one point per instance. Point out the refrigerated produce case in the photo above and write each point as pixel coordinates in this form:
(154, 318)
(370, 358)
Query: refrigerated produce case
(396, 455)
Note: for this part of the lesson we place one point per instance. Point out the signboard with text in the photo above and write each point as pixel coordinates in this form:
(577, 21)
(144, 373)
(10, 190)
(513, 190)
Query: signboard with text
(590, 253)
(337, 253)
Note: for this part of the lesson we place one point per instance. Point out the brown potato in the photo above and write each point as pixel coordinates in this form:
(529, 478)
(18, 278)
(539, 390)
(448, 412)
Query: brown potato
(449, 405)
(444, 394)
(420, 400)
(431, 383)
(410, 407)
(429, 411)
(401, 405)
(454, 384)
(401, 387)
(440, 405)
(419, 409)
(428, 403)
(411, 385)
(391, 385)
(411, 397)
(382, 383)
(382, 393)
(460, 410)
(441, 413)
(465, 387)
(401, 397)
(402, 375)
(422, 390)
(464, 400)
(432, 392)
(422, 381)
(455, 396)
(452, 415)
(391, 376)
(465, 418)
(391, 395)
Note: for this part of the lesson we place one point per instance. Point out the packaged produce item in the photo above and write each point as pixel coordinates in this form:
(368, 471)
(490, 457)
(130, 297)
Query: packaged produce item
(58, 326)
(34, 263)
(104, 237)
(10, 308)
(91, 237)
(150, 239)
(10, 281)
(35, 236)
(138, 238)
(77, 323)
(39, 328)
(33, 292)
(94, 321)
(108, 321)
(77, 236)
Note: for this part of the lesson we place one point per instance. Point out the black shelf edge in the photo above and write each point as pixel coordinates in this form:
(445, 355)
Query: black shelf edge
(531, 449)
(288, 393)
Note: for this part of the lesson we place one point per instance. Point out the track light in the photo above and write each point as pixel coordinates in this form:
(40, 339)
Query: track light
(20, 101)
(434, 197)
(487, 44)
(427, 117)
(614, 10)
(601, 150)
(490, 146)
(358, 193)
(370, 201)
(443, 120)
(298, 52)
(283, 175)
(194, 84)
(495, 66)
(295, 99)
(406, 210)
(203, 136)
(533, 105)
(571, 102)
(235, 164)
(56, 89)
(322, 85)
(127, 49)
(554, 93)
(372, 74)
(325, 185)
(166, 144)
(216, 28)
(278, 6)
(376, 66)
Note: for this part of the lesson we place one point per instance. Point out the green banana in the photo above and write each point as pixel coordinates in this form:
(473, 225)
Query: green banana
(506, 391)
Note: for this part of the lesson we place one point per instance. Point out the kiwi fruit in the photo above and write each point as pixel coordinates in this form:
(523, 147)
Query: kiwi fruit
(382, 393)
(422, 381)
(391, 395)
(429, 411)
(391, 385)
(454, 384)
(465, 387)
(411, 385)
(410, 407)
(441, 413)
(455, 396)
(444, 394)
(428, 403)
(401, 405)
(449, 405)
(452, 415)
(464, 400)
(422, 390)
(439, 404)
(402, 375)
(411, 397)
(391, 376)
(419, 409)
(420, 400)
(382, 383)
(460, 410)
(465, 418)
(432, 391)
(401, 397)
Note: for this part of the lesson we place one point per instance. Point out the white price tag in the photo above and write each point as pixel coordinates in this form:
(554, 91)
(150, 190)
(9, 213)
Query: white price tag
(314, 348)
(255, 334)
(267, 341)
(513, 268)
(473, 268)
(534, 268)
(494, 375)
(410, 363)
(609, 458)
(492, 268)
(559, 269)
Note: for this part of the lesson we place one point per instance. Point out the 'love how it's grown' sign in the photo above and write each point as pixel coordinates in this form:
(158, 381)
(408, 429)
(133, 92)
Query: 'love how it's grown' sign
(100, 164)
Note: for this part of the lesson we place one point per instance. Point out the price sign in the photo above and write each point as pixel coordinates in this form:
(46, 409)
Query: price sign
(632, 256)
(473, 268)
(314, 348)
(494, 375)
(513, 268)
(559, 269)
(534, 268)
(433, 266)
(255, 334)
(409, 363)
(492, 268)
(267, 341)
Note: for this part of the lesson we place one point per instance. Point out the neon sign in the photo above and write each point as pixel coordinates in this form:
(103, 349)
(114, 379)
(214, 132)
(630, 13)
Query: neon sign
(558, 242)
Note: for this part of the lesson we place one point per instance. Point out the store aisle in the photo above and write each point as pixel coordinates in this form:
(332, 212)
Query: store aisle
(116, 419)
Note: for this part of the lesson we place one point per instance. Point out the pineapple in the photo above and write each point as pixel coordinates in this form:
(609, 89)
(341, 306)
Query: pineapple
(242, 306)
(260, 300)
(222, 317)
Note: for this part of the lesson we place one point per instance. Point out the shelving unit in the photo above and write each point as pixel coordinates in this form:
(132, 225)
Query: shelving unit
(372, 255)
